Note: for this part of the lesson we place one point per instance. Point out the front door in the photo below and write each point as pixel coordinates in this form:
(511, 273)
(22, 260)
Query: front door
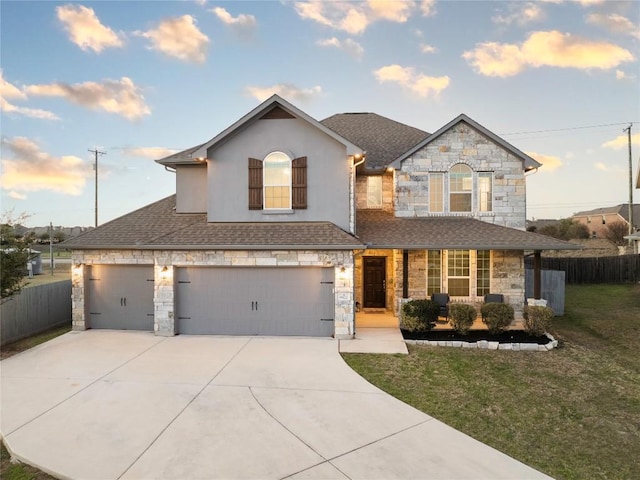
(375, 282)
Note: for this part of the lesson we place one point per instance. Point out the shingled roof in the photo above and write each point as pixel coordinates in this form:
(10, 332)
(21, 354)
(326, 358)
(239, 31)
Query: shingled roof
(157, 226)
(378, 229)
(383, 139)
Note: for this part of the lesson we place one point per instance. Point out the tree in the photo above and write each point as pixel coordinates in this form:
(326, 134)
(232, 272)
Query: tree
(14, 255)
(615, 233)
(59, 236)
(565, 229)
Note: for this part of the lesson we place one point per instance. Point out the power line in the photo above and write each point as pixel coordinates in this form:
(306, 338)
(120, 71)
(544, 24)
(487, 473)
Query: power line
(567, 129)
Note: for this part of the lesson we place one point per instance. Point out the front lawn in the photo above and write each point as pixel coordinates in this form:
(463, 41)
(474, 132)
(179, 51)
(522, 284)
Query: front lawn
(573, 412)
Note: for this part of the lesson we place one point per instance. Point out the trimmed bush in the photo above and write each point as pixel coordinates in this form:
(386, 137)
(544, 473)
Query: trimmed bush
(537, 319)
(497, 316)
(461, 316)
(419, 315)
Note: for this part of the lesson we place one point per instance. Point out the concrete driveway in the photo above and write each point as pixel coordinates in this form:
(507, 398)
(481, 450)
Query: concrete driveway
(109, 404)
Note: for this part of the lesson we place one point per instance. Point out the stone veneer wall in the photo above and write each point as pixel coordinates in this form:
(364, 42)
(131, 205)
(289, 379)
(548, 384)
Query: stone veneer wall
(387, 192)
(463, 144)
(164, 288)
(507, 278)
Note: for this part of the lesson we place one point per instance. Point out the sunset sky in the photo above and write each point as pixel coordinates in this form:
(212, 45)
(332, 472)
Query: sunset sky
(558, 79)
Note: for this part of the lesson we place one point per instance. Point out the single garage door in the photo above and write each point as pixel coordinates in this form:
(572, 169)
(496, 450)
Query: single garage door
(255, 301)
(120, 297)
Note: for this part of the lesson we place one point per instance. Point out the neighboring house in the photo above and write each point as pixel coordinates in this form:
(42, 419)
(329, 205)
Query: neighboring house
(598, 219)
(282, 224)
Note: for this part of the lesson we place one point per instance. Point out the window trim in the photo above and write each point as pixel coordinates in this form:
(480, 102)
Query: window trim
(443, 268)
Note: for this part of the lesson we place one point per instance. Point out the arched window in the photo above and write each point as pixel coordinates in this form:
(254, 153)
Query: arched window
(277, 181)
(460, 188)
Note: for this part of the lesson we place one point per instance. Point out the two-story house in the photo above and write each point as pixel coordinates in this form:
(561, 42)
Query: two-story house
(284, 225)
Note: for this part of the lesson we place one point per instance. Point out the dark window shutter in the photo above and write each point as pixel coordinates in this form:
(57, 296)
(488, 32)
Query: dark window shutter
(255, 184)
(299, 183)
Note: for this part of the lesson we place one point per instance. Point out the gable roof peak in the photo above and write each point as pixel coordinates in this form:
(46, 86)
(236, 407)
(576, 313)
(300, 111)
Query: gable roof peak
(528, 162)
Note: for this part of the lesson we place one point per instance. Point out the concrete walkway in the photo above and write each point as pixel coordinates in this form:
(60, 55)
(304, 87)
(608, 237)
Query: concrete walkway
(109, 405)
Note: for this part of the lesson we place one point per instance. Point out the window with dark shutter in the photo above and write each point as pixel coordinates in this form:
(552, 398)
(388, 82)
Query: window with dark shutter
(255, 184)
(299, 183)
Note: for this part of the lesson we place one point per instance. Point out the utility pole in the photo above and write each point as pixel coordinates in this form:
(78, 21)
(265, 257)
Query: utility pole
(96, 152)
(628, 130)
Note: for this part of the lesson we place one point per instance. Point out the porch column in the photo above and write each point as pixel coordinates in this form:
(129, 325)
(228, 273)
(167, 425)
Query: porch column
(537, 267)
(405, 274)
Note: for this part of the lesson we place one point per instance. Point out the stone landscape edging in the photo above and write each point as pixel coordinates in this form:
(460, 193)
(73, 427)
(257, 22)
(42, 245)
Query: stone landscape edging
(487, 345)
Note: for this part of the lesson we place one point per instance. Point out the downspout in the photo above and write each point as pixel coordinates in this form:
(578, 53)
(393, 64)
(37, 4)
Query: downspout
(356, 161)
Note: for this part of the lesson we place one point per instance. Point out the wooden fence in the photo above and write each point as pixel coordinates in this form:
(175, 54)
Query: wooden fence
(619, 269)
(34, 310)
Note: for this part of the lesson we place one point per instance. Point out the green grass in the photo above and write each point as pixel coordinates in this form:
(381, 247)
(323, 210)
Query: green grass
(573, 413)
(11, 349)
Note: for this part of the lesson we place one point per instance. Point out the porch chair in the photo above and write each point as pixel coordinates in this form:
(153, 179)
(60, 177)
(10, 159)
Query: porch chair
(442, 299)
(494, 298)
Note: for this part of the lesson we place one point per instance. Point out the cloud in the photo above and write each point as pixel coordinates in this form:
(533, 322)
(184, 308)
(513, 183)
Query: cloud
(614, 23)
(178, 37)
(286, 91)
(428, 7)
(243, 25)
(349, 45)
(121, 97)
(600, 166)
(621, 75)
(16, 196)
(85, 29)
(421, 85)
(521, 14)
(622, 141)
(425, 48)
(8, 90)
(550, 49)
(549, 162)
(355, 17)
(29, 170)
(149, 152)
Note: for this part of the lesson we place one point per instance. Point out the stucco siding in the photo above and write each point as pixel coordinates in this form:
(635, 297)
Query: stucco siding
(328, 173)
(191, 189)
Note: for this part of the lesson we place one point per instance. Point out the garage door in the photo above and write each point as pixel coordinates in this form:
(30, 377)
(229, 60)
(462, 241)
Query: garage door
(120, 297)
(255, 301)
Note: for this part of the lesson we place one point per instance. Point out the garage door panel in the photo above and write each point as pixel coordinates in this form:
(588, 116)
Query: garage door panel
(121, 297)
(255, 301)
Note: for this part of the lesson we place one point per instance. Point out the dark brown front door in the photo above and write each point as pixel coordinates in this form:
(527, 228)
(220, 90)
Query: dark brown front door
(375, 274)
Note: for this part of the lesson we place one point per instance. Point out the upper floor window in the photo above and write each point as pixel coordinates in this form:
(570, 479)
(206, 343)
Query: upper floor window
(460, 188)
(485, 191)
(374, 192)
(277, 181)
(436, 192)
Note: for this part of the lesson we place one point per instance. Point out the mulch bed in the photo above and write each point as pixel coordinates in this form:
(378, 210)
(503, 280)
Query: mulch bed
(511, 336)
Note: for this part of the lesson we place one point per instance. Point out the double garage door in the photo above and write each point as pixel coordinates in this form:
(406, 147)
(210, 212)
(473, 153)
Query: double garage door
(217, 300)
(255, 301)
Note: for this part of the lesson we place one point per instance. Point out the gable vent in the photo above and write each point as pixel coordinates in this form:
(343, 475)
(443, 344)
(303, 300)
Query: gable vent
(276, 113)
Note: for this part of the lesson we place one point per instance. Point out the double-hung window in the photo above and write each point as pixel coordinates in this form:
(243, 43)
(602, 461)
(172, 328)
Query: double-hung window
(277, 181)
(436, 192)
(485, 191)
(460, 188)
(374, 191)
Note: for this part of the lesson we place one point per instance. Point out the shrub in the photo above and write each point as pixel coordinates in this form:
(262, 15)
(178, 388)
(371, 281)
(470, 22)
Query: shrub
(537, 319)
(497, 316)
(419, 315)
(462, 317)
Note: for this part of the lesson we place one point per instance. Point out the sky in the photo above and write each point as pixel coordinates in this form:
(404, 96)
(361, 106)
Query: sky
(138, 80)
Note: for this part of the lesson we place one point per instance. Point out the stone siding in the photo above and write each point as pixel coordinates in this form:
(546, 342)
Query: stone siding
(387, 192)
(164, 286)
(463, 144)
